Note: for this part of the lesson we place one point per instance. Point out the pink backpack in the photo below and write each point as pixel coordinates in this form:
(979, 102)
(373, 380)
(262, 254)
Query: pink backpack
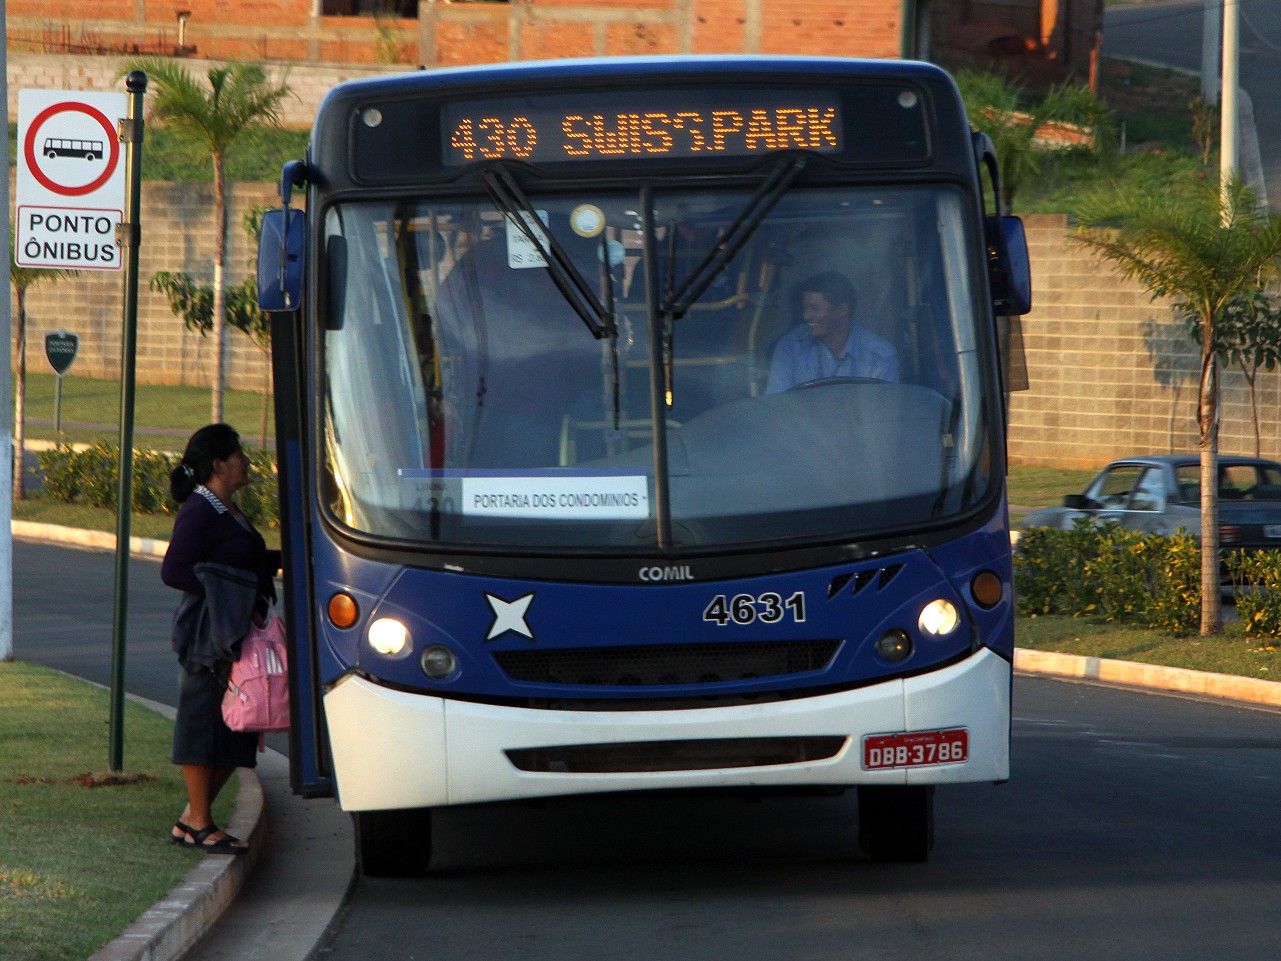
(257, 697)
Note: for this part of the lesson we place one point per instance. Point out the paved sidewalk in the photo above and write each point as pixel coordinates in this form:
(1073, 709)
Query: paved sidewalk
(295, 891)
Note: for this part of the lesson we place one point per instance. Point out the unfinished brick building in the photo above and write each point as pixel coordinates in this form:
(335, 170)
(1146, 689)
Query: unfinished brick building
(1036, 40)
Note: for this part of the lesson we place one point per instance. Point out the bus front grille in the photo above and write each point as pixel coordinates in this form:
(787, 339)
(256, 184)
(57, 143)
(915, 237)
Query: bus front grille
(654, 665)
(694, 755)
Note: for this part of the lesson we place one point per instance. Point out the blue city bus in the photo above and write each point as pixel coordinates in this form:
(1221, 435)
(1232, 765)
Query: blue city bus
(559, 513)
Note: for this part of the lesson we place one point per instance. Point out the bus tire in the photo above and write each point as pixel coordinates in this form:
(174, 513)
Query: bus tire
(393, 844)
(896, 823)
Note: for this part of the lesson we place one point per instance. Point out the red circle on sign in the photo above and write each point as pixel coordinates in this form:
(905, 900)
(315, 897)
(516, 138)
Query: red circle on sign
(28, 149)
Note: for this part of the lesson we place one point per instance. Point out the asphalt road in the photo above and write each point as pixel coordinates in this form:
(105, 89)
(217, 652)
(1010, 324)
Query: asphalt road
(1170, 33)
(63, 610)
(1136, 826)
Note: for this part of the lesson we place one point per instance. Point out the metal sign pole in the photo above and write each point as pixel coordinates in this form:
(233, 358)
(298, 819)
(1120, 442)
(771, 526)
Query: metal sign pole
(57, 405)
(129, 233)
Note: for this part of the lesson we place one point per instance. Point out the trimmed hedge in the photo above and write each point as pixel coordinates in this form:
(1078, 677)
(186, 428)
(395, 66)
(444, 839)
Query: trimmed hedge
(1257, 578)
(91, 476)
(1110, 573)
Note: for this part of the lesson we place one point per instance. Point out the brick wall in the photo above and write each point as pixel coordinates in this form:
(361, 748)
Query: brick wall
(47, 71)
(1113, 373)
(446, 33)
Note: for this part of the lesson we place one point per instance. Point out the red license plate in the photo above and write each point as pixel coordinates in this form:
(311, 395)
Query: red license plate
(882, 751)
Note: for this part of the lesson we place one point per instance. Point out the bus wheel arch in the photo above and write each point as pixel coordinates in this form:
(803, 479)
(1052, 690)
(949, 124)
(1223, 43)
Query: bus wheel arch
(393, 844)
(896, 822)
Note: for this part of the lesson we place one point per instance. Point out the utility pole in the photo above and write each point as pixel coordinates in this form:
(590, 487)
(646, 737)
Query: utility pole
(1230, 121)
(6, 400)
(1212, 11)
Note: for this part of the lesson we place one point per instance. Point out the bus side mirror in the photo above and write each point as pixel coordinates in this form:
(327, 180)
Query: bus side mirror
(280, 260)
(1008, 266)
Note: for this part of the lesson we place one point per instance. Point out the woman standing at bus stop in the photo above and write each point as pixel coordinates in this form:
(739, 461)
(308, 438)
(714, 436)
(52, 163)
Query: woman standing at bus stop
(222, 566)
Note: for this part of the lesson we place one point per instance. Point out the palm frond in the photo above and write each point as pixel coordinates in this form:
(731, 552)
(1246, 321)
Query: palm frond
(235, 97)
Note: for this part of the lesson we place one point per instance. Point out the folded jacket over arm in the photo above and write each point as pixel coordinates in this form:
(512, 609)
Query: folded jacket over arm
(208, 627)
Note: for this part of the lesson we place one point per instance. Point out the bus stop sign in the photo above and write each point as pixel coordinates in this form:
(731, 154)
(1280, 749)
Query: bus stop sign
(60, 347)
(70, 182)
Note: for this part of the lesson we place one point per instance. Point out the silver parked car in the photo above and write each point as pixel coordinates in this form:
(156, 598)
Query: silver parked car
(1160, 494)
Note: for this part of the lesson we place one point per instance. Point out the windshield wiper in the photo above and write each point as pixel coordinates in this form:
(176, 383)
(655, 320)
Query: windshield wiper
(731, 242)
(509, 199)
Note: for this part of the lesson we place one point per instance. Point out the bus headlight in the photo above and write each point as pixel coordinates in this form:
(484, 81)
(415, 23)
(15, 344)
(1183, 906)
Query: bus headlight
(388, 636)
(938, 617)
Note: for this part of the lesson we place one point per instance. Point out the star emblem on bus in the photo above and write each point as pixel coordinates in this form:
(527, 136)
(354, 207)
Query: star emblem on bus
(509, 616)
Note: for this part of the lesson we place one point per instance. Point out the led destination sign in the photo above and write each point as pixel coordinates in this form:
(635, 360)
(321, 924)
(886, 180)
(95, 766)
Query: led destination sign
(630, 124)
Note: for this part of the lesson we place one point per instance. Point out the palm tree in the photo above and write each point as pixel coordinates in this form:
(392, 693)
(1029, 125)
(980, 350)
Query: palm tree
(22, 279)
(238, 98)
(1203, 250)
(193, 302)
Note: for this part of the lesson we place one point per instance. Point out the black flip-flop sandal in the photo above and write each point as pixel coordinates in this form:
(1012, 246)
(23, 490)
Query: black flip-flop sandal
(225, 845)
(181, 839)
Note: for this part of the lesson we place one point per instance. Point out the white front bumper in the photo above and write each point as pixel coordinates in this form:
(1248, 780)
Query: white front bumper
(392, 749)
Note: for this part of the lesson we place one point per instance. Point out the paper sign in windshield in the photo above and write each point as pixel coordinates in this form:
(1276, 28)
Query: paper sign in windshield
(557, 498)
(521, 251)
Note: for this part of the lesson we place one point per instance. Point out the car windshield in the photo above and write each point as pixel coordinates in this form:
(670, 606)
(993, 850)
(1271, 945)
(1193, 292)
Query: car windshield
(828, 383)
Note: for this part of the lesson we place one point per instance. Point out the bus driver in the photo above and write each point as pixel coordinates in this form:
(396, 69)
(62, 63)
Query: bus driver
(829, 343)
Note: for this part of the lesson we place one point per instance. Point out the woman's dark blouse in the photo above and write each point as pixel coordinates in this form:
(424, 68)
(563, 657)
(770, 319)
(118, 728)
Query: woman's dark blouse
(206, 530)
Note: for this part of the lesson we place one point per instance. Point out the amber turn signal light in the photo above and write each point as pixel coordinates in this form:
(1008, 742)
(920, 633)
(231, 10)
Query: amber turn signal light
(986, 588)
(343, 610)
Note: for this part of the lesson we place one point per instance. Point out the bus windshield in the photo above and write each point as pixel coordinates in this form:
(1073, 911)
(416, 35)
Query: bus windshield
(826, 385)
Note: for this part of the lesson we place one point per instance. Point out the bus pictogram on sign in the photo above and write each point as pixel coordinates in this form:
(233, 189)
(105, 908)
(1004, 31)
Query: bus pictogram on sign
(57, 147)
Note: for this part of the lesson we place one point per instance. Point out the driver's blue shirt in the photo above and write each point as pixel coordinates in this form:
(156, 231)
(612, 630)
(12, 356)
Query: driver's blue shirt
(801, 357)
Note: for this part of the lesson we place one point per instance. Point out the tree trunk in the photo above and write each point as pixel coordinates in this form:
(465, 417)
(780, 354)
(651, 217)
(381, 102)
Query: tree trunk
(20, 400)
(266, 400)
(1254, 406)
(1208, 422)
(219, 295)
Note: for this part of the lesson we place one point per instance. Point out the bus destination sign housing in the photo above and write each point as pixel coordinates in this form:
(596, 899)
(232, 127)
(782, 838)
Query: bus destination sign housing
(401, 140)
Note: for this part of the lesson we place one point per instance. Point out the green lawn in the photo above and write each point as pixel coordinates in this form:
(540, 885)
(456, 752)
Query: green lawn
(79, 863)
(164, 416)
(1229, 653)
(41, 511)
(1044, 486)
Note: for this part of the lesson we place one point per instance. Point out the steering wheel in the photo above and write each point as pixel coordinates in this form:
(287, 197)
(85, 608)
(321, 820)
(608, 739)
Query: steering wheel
(826, 381)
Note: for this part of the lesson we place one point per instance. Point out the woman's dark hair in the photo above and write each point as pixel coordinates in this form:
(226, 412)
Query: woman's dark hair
(212, 442)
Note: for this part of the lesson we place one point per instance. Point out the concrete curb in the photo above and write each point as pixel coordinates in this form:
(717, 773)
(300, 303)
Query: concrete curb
(1227, 687)
(77, 537)
(171, 926)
